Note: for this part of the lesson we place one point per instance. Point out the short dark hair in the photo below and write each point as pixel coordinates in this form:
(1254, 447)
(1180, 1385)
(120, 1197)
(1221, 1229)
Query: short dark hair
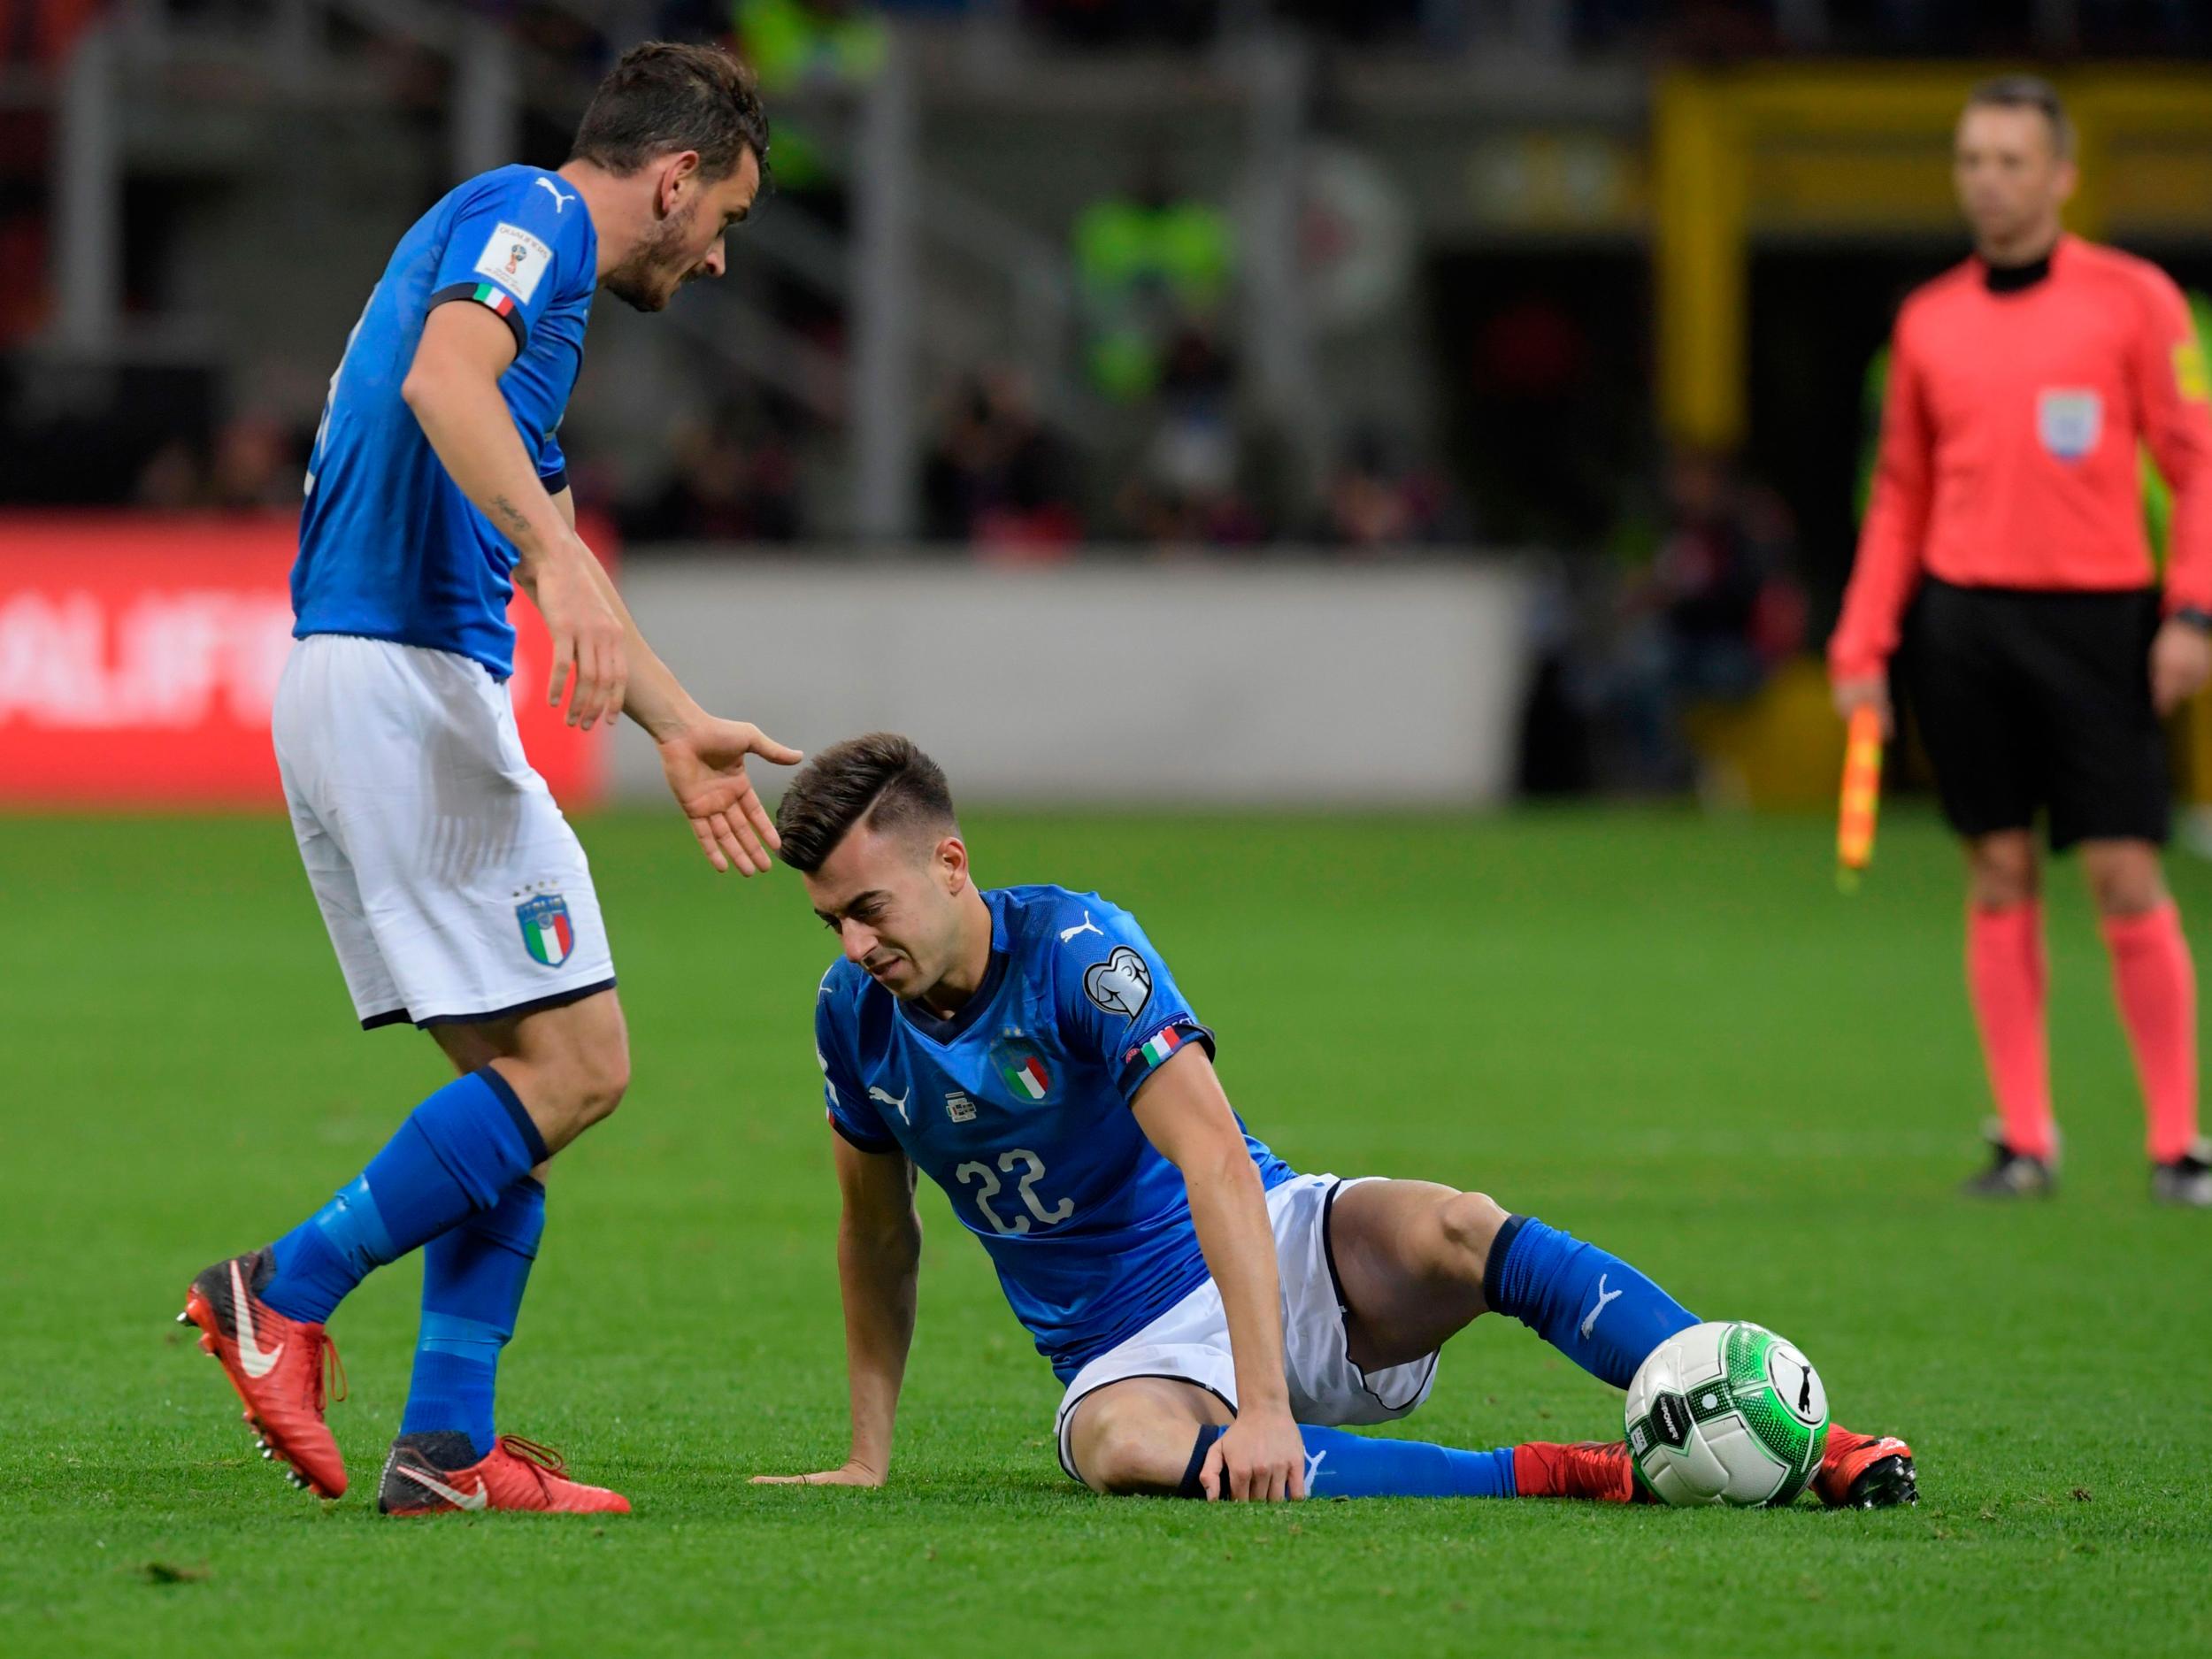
(661, 97)
(2027, 92)
(882, 780)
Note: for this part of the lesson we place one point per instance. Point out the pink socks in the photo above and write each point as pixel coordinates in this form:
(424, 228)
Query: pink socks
(2006, 975)
(2156, 983)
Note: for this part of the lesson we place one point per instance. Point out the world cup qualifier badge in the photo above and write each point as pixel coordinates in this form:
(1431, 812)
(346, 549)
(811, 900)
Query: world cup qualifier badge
(547, 932)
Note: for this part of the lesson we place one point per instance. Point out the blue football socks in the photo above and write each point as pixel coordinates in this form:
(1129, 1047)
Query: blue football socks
(1344, 1466)
(457, 1153)
(473, 1279)
(1590, 1305)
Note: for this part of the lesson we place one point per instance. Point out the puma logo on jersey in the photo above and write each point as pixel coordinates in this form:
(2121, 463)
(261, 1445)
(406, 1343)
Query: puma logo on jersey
(1088, 926)
(1590, 1319)
(560, 202)
(883, 1097)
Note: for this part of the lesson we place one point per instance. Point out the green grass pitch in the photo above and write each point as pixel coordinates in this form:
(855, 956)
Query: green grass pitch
(1671, 1035)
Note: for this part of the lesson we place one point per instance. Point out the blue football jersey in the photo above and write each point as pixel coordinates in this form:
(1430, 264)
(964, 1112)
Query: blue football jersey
(1018, 1107)
(390, 547)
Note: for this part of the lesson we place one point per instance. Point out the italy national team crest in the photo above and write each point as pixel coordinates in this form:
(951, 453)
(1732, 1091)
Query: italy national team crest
(2069, 420)
(1022, 1069)
(547, 932)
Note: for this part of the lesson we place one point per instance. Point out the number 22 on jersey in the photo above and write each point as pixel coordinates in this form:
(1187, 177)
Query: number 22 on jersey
(989, 1187)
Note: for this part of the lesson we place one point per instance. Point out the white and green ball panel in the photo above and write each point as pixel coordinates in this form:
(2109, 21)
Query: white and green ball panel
(1726, 1412)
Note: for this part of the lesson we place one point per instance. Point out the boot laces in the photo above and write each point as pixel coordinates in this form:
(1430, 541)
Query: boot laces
(325, 1373)
(546, 1464)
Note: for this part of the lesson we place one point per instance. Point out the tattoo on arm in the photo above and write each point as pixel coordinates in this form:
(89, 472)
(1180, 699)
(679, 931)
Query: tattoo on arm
(512, 514)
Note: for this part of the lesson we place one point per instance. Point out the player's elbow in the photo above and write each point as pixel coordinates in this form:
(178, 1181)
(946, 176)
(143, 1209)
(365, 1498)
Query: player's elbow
(414, 390)
(891, 1243)
(1226, 1168)
(898, 1241)
(428, 385)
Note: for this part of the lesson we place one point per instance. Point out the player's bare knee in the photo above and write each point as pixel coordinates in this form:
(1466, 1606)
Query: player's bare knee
(2125, 881)
(2002, 887)
(2002, 872)
(1128, 1446)
(2122, 900)
(568, 1095)
(1467, 1225)
(582, 1054)
(1126, 1457)
(603, 1078)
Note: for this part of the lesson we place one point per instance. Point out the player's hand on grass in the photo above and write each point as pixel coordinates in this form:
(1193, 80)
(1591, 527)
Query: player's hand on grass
(1259, 1456)
(587, 637)
(1854, 692)
(705, 766)
(2181, 663)
(847, 1475)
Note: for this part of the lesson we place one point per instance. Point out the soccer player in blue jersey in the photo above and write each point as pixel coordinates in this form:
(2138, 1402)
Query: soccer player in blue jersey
(457, 895)
(1217, 1317)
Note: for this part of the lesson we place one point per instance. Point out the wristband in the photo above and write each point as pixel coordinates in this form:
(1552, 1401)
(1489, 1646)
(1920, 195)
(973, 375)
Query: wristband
(2198, 618)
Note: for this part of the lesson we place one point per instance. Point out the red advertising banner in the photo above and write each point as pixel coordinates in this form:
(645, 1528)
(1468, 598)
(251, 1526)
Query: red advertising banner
(139, 657)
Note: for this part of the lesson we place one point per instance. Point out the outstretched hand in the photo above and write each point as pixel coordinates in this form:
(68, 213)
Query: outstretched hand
(705, 767)
(852, 1473)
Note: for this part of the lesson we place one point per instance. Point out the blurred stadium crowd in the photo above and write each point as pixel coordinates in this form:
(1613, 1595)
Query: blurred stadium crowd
(1208, 308)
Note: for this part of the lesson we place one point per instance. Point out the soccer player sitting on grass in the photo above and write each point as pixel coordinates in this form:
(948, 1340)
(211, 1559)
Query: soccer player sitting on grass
(1215, 1316)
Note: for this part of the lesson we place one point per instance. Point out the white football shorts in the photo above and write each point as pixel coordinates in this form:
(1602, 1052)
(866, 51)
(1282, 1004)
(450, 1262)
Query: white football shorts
(1190, 1342)
(453, 888)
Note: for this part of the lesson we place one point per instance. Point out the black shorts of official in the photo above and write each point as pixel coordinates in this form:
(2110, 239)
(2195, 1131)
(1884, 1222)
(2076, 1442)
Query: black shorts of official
(2040, 700)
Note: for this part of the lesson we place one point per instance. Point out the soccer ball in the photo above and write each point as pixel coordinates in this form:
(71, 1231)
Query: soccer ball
(1727, 1412)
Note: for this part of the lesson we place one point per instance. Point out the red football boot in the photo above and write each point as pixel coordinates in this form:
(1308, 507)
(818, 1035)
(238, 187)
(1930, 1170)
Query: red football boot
(438, 1473)
(276, 1364)
(1865, 1471)
(1599, 1470)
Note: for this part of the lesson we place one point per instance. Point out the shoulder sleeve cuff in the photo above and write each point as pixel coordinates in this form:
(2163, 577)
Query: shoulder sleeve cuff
(555, 481)
(1144, 1053)
(866, 1143)
(493, 299)
(1856, 661)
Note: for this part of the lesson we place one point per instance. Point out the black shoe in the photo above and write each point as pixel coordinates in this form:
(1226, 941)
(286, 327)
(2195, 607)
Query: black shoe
(1888, 1481)
(2012, 1174)
(1865, 1471)
(2185, 1181)
(419, 1475)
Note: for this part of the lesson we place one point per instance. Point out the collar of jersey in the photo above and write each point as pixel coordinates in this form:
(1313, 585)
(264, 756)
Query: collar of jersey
(2018, 279)
(947, 1032)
